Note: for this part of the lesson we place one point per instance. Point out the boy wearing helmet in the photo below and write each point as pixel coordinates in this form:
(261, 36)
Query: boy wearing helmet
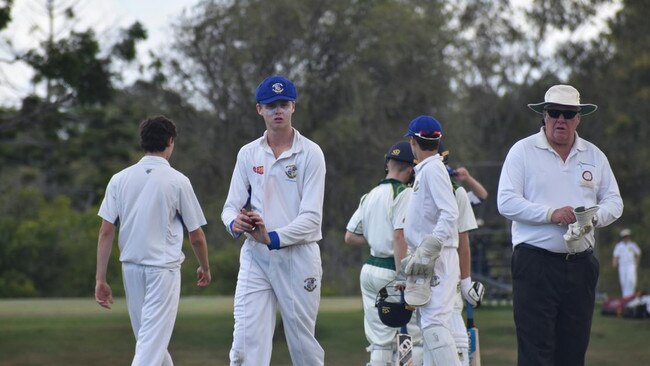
(378, 222)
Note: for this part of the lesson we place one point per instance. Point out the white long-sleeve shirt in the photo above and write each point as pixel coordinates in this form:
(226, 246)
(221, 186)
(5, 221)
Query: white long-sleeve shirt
(535, 181)
(286, 192)
(432, 209)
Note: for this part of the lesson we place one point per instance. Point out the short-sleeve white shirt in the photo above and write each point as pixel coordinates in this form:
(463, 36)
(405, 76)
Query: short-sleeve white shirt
(466, 218)
(381, 212)
(151, 201)
(626, 253)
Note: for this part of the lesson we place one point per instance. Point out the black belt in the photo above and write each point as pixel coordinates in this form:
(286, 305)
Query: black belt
(565, 256)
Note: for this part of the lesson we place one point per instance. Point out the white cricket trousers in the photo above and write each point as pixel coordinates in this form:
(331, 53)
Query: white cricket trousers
(627, 278)
(288, 277)
(372, 279)
(440, 309)
(152, 295)
(459, 329)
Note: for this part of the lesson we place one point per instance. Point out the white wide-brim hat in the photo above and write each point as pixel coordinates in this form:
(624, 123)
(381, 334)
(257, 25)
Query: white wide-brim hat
(563, 95)
(625, 232)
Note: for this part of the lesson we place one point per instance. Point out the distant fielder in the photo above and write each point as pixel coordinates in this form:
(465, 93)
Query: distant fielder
(626, 257)
(151, 202)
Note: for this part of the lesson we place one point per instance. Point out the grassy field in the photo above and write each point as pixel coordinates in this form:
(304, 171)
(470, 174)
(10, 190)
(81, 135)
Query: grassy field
(78, 332)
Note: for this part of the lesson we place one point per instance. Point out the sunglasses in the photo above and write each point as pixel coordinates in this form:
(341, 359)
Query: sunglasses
(554, 113)
(428, 135)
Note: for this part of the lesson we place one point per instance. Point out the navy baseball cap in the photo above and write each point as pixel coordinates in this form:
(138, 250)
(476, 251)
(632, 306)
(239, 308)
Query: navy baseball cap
(275, 88)
(425, 127)
(401, 151)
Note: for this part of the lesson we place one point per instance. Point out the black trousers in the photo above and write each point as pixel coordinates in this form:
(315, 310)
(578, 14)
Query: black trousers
(553, 303)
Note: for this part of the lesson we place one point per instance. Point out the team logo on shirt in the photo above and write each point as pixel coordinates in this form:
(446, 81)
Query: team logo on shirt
(277, 88)
(586, 173)
(148, 171)
(259, 169)
(416, 186)
(310, 284)
(291, 171)
(435, 281)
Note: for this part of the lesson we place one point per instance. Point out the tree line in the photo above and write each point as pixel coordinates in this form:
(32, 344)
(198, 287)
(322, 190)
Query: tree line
(363, 70)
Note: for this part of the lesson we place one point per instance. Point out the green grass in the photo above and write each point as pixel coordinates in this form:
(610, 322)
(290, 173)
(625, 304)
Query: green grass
(78, 332)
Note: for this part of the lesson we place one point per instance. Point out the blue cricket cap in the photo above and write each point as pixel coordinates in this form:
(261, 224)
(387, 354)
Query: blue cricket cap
(425, 127)
(275, 88)
(401, 151)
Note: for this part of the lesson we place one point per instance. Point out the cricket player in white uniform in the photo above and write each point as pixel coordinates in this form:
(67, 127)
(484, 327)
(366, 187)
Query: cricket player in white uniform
(431, 231)
(378, 222)
(151, 202)
(626, 257)
(282, 176)
(467, 290)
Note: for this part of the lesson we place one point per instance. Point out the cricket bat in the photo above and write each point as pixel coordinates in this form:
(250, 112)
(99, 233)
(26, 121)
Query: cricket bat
(404, 345)
(472, 332)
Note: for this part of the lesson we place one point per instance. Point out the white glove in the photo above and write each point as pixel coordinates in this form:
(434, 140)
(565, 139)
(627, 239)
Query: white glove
(472, 291)
(577, 232)
(585, 221)
(422, 261)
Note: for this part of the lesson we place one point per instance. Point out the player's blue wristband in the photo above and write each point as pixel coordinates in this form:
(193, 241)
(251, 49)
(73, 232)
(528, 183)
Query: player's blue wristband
(232, 232)
(275, 241)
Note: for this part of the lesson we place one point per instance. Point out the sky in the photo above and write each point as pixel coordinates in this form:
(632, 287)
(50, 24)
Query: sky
(29, 21)
(104, 16)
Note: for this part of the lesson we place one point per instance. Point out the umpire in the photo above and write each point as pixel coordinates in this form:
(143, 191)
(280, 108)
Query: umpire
(545, 177)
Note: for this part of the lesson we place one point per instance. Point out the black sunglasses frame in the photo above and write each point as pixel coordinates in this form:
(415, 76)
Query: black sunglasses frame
(555, 113)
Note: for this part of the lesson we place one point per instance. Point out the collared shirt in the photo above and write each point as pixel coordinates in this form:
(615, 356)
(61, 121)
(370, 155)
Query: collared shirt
(151, 201)
(432, 209)
(535, 181)
(286, 192)
(626, 253)
(381, 211)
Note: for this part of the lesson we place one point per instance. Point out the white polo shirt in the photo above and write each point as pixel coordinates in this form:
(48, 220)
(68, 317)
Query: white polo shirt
(466, 218)
(535, 181)
(286, 192)
(432, 209)
(381, 212)
(626, 252)
(150, 201)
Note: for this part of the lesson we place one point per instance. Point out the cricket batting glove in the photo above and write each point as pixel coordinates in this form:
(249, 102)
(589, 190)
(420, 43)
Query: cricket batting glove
(422, 261)
(472, 291)
(419, 271)
(585, 222)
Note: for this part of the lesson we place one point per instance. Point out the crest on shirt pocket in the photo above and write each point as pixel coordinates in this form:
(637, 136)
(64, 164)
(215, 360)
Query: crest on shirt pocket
(586, 174)
(310, 284)
(291, 171)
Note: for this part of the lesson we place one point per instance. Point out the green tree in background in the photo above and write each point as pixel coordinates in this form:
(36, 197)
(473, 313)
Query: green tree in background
(363, 68)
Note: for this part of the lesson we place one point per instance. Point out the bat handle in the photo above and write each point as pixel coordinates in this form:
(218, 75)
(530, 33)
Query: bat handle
(470, 315)
(401, 295)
